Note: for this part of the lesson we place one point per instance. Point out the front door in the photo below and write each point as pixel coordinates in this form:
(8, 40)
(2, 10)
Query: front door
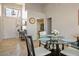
(10, 28)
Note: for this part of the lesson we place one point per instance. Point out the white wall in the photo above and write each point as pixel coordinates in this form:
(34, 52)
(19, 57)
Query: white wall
(37, 7)
(0, 29)
(33, 10)
(9, 29)
(0, 22)
(64, 18)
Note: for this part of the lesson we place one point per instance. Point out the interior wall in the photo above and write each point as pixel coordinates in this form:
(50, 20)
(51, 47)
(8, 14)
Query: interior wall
(0, 27)
(33, 10)
(0, 22)
(9, 23)
(37, 7)
(64, 18)
(32, 28)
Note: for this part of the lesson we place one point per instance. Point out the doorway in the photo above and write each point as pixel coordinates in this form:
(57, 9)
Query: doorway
(40, 26)
(49, 25)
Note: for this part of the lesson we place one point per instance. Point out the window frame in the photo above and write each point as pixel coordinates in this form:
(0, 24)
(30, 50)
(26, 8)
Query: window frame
(15, 16)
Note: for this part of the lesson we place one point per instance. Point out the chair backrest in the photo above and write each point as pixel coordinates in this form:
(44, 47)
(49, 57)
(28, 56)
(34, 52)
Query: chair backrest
(22, 32)
(43, 33)
(30, 46)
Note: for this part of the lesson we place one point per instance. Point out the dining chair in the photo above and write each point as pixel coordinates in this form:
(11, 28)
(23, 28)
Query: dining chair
(70, 51)
(43, 38)
(40, 51)
(21, 33)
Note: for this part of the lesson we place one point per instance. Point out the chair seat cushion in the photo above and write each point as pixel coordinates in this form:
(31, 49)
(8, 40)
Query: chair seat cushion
(40, 51)
(70, 51)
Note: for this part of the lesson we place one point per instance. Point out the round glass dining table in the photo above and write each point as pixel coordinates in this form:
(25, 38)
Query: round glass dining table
(56, 42)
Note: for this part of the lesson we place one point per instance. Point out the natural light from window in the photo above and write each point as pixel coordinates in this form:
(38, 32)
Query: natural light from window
(24, 18)
(12, 12)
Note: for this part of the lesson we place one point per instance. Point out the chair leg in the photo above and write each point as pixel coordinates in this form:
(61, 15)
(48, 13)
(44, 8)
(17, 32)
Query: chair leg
(45, 46)
(62, 46)
(39, 43)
